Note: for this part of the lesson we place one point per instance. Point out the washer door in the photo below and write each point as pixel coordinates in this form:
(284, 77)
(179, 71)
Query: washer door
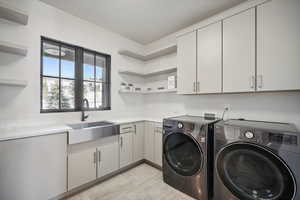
(252, 172)
(183, 154)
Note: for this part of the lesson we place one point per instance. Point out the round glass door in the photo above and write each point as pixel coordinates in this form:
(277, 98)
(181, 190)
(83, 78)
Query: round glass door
(183, 154)
(251, 172)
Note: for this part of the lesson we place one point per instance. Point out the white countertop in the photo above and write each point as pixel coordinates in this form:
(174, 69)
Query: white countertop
(32, 131)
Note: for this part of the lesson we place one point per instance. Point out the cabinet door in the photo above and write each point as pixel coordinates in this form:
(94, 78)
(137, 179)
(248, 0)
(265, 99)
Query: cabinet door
(108, 158)
(82, 167)
(33, 168)
(278, 45)
(209, 59)
(149, 141)
(239, 52)
(138, 142)
(158, 145)
(186, 72)
(126, 155)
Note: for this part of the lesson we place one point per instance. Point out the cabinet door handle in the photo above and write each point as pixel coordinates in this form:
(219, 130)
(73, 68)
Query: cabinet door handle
(135, 129)
(198, 86)
(252, 82)
(194, 85)
(121, 141)
(260, 81)
(99, 156)
(95, 157)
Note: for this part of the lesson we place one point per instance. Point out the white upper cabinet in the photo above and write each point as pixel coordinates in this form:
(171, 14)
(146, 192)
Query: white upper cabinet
(239, 52)
(209, 59)
(187, 67)
(278, 45)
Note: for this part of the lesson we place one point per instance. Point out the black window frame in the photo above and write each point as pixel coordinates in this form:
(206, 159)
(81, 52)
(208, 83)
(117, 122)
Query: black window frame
(78, 79)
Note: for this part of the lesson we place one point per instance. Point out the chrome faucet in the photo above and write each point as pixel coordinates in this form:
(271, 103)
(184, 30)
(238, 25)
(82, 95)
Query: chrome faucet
(83, 116)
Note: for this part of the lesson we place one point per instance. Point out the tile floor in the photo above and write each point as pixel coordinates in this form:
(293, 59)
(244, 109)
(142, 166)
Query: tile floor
(140, 183)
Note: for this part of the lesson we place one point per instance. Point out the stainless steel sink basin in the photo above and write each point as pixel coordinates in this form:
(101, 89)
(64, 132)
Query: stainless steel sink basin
(84, 132)
(90, 125)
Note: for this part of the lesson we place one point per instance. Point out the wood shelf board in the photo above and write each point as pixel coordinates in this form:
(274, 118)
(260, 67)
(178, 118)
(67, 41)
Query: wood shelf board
(12, 82)
(155, 54)
(11, 48)
(149, 92)
(11, 13)
(153, 73)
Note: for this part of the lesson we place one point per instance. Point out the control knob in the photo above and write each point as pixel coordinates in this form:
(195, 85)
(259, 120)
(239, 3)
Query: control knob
(249, 135)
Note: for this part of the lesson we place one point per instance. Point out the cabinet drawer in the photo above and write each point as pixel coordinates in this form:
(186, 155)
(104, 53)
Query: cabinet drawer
(127, 128)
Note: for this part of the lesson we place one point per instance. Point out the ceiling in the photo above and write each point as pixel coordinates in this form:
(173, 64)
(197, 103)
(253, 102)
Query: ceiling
(143, 21)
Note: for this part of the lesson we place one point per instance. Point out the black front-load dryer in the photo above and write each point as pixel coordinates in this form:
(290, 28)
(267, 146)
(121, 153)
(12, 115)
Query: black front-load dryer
(185, 155)
(256, 161)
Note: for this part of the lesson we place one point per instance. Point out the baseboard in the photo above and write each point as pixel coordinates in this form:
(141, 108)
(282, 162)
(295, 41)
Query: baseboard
(152, 164)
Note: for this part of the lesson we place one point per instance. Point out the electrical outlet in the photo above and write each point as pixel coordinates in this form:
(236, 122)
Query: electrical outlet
(226, 107)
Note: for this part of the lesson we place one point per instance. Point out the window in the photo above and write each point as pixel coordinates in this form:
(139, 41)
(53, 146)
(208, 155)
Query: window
(70, 74)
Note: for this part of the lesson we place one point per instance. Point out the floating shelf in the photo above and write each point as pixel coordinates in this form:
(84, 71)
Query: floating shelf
(149, 92)
(11, 82)
(161, 91)
(153, 73)
(13, 14)
(11, 48)
(155, 54)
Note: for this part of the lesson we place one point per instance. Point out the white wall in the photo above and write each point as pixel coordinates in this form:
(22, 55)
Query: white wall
(23, 105)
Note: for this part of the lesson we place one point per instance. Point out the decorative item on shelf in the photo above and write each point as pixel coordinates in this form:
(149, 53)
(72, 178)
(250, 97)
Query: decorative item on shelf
(131, 87)
(123, 86)
(160, 88)
(138, 89)
(172, 82)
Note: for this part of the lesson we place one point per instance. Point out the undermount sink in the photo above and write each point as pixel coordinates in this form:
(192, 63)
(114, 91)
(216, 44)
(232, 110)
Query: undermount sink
(90, 125)
(84, 132)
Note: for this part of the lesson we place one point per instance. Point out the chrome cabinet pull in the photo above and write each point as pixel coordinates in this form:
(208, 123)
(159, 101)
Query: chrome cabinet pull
(99, 156)
(121, 141)
(194, 90)
(135, 129)
(252, 82)
(95, 157)
(198, 86)
(260, 81)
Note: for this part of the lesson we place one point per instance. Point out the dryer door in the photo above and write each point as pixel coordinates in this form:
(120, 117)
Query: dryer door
(183, 154)
(252, 172)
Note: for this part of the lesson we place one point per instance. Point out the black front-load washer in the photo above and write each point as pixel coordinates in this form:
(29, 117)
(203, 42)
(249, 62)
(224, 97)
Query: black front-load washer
(256, 161)
(186, 160)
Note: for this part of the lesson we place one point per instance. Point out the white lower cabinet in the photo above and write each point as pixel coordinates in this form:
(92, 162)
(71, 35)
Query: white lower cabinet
(153, 142)
(108, 158)
(82, 167)
(138, 141)
(158, 144)
(33, 168)
(126, 148)
(86, 162)
(149, 141)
